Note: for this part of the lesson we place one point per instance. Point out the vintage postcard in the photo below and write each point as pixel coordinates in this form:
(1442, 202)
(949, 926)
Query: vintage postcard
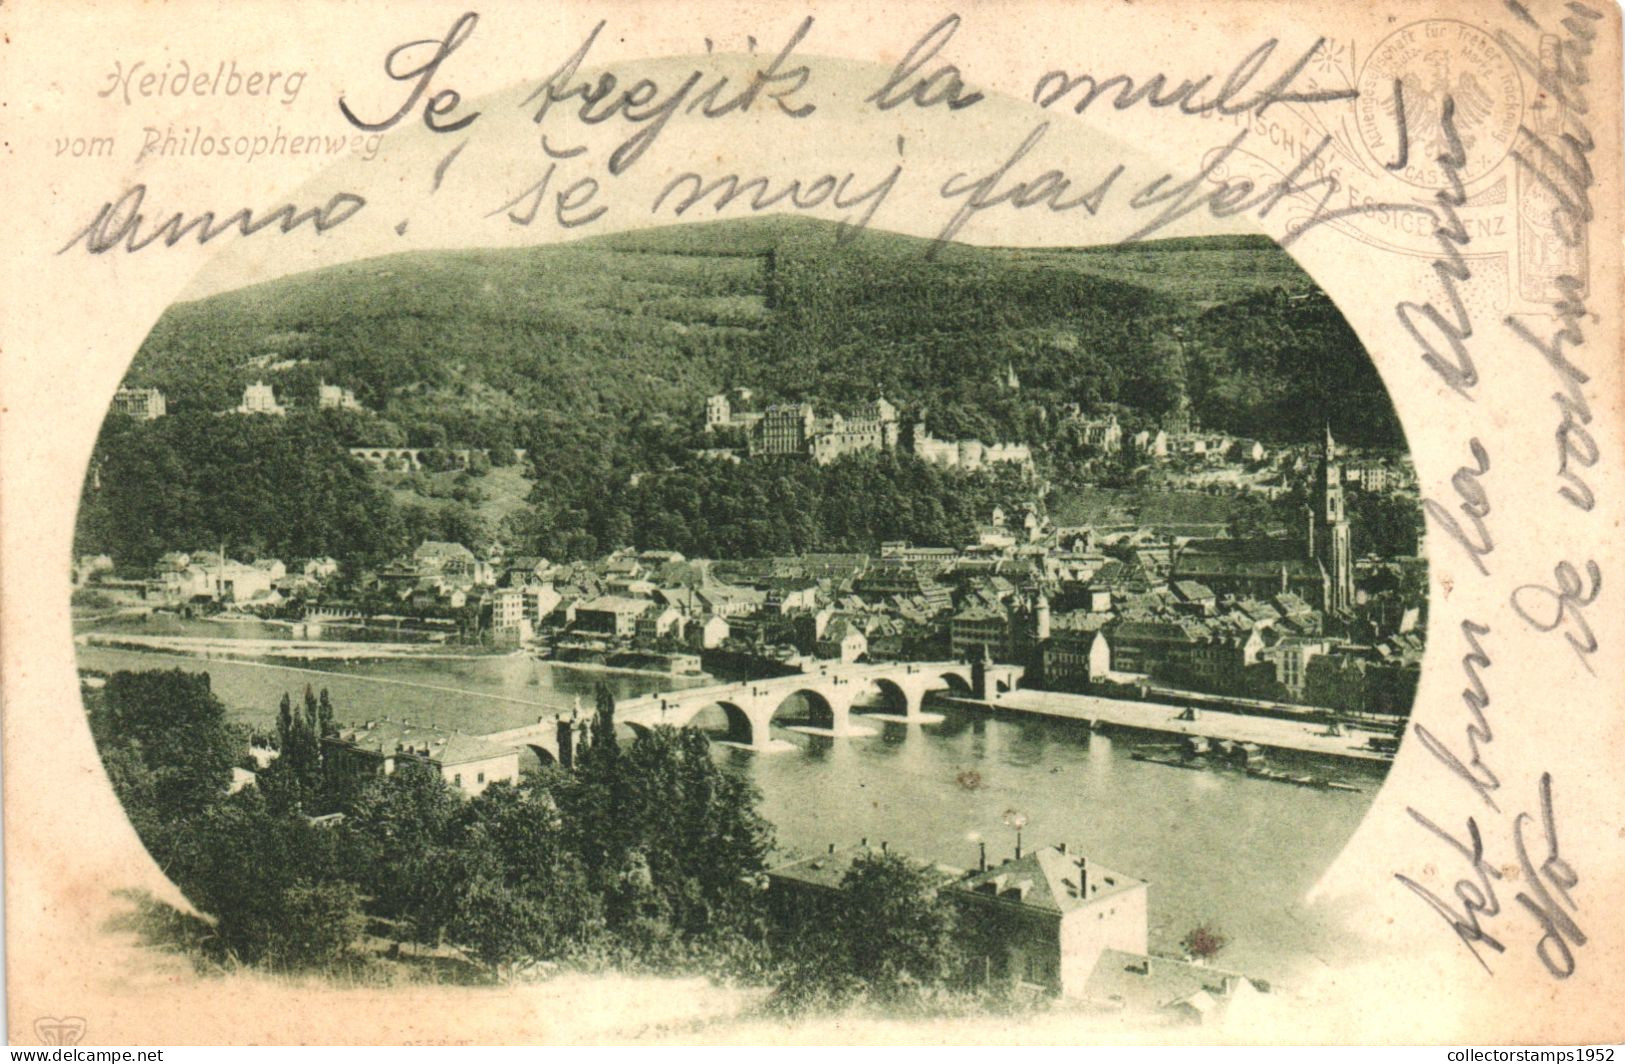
(1039, 522)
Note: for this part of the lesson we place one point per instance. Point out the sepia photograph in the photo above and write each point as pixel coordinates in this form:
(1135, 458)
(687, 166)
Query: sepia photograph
(995, 631)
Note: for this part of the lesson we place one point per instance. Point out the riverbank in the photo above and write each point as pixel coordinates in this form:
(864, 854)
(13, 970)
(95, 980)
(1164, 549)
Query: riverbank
(922, 789)
(234, 648)
(628, 670)
(1158, 717)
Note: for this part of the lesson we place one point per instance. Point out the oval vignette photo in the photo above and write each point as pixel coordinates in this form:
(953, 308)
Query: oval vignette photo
(988, 629)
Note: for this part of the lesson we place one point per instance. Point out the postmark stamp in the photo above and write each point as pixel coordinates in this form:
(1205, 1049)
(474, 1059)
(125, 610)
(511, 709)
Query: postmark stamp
(1424, 64)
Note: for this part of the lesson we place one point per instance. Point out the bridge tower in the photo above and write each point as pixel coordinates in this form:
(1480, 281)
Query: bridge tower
(978, 673)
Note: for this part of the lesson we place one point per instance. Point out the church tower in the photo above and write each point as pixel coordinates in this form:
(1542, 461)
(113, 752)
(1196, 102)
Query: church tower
(1329, 528)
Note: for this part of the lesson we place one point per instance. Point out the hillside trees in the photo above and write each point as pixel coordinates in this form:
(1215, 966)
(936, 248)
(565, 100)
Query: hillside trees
(264, 486)
(716, 508)
(169, 740)
(597, 357)
(670, 841)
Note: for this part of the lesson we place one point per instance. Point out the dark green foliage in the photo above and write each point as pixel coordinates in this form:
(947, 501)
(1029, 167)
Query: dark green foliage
(650, 855)
(401, 845)
(892, 939)
(254, 869)
(296, 780)
(262, 486)
(667, 838)
(319, 925)
(1279, 367)
(1385, 525)
(166, 741)
(773, 506)
(597, 356)
(525, 895)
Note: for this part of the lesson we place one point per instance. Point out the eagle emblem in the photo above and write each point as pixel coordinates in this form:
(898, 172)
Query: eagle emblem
(1425, 91)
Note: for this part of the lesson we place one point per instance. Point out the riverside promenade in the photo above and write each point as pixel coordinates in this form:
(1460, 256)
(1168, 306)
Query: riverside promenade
(1160, 717)
(226, 646)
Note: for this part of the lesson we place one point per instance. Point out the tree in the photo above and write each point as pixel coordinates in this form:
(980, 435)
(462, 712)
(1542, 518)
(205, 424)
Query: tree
(669, 840)
(501, 927)
(403, 848)
(1203, 942)
(895, 930)
(295, 780)
(241, 860)
(892, 938)
(521, 828)
(295, 490)
(524, 896)
(176, 728)
(1385, 525)
(319, 923)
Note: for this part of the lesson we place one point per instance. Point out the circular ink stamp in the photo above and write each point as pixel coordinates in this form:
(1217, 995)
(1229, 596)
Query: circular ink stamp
(1431, 61)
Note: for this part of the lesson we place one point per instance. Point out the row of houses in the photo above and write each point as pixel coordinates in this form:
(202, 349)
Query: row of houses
(181, 577)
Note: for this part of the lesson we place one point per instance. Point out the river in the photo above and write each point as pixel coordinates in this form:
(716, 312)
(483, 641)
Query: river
(1217, 847)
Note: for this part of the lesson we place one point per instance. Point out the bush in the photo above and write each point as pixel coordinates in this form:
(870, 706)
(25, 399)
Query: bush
(1204, 942)
(319, 924)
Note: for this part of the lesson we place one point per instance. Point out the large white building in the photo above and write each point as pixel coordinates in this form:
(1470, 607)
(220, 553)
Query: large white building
(377, 748)
(332, 397)
(260, 398)
(143, 404)
(1044, 919)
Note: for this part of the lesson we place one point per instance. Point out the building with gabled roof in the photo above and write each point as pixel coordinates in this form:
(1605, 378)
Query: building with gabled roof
(1042, 920)
(611, 615)
(1076, 652)
(1177, 992)
(469, 763)
(976, 629)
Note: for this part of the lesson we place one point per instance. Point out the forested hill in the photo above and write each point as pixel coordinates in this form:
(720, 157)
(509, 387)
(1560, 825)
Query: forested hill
(501, 348)
(597, 357)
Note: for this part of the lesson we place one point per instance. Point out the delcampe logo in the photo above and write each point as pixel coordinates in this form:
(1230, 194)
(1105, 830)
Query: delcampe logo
(60, 1031)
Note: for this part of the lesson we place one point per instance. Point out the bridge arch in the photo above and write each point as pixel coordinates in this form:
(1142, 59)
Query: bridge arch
(718, 719)
(955, 682)
(815, 709)
(885, 695)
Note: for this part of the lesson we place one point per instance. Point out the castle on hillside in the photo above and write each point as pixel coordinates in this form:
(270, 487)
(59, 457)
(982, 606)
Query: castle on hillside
(799, 429)
(966, 454)
(143, 404)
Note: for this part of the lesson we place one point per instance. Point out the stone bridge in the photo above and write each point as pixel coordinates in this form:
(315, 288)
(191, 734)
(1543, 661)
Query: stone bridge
(828, 696)
(412, 457)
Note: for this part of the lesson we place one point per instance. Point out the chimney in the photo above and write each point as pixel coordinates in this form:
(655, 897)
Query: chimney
(882, 845)
(864, 842)
(1061, 846)
(1018, 845)
(832, 849)
(1083, 876)
(981, 861)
